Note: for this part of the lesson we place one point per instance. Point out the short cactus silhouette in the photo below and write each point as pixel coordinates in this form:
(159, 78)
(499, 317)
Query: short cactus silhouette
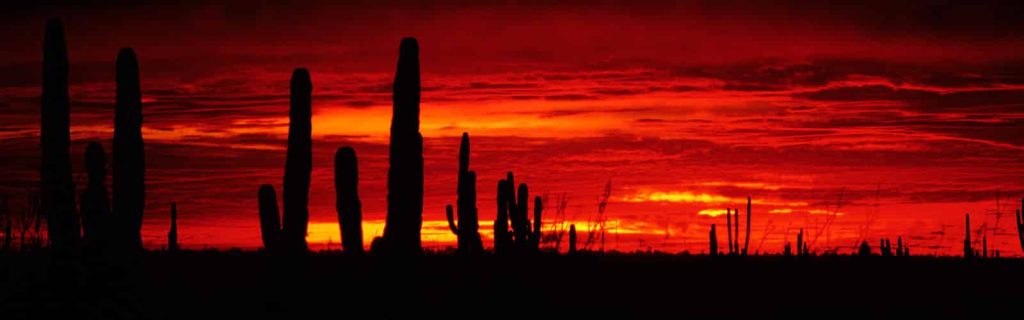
(129, 166)
(467, 227)
(885, 248)
(712, 242)
(298, 164)
(57, 189)
(350, 212)
(572, 239)
(270, 221)
(801, 247)
(405, 172)
(95, 204)
(172, 235)
(746, 236)
(728, 228)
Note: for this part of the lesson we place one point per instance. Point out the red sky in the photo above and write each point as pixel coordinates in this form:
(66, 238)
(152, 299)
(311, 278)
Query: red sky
(852, 121)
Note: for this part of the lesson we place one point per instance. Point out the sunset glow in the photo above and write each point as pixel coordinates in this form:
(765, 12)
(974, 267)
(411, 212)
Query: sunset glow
(845, 123)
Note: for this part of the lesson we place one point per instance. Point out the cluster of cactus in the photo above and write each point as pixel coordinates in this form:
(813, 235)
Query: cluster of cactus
(902, 249)
(513, 207)
(288, 234)
(467, 228)
(1020, 224)
(712, 242)
(116, 223)
(885, 247)
(733, 215)
(405, 174)
(801, 245)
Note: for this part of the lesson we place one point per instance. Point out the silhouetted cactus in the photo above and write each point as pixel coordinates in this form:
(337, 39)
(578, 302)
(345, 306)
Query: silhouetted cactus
(515, 204)
(746, 236)
(728, 228)
(468, 226)
(298, 164)
(864, 250)
(502, 237)
(712, 242)
(899, 246)
(885, 248)
(801, 248)
(350, 209)
(95, 205)
(58, 190)
(405, 174)
(1020, 224)
(572, 239)
(538, 208)
(128, 154)
(968, 251)
(270, 221)
(172, 235)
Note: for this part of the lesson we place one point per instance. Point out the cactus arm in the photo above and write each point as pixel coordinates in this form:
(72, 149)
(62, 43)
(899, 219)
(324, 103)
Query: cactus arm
(451, 219)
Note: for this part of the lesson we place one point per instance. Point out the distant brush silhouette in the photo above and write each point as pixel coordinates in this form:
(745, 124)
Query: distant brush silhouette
(350, 209)
(405, 172)
(57, 189)
(95, 203)
(128, 155)
(291, 236)
(172, 235)
(864, 250)
(467, 228)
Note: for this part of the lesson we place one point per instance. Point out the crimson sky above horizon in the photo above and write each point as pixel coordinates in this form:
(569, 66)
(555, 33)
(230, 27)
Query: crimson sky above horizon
(850, 121)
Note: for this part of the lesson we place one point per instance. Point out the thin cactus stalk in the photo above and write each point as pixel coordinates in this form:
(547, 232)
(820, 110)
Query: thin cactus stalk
(57, 189)
(712, 242)
(736, 232)
(172, 235)
(728, 228)
(95, 204)
(502, 237)
(128, 155)
(538, 208)
(572, 239)
(298, 164)
(405, 172)
(899, 246)
(800, 247)
(468, 226)
(968, 251)
(1020, 224)
(348, 206)
(746, 236)
(270, 221)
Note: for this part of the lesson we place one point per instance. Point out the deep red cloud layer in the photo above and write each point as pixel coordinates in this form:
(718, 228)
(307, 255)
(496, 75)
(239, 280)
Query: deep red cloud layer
(850, 121)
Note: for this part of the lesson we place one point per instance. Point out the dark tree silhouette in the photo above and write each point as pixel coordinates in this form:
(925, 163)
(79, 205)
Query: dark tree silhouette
(572, 239)
(467, 229)
(95, 204)
(172, 235)
(270, 222)
(350, 209)
(968, 251)
(864, 250)
(57, 189)
(713, 242)
(405, 172)
(298, 164)
(128, 154)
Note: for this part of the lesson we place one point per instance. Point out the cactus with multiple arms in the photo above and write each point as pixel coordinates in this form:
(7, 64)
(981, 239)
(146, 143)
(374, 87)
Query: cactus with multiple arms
(467, 228)
(512, 206)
